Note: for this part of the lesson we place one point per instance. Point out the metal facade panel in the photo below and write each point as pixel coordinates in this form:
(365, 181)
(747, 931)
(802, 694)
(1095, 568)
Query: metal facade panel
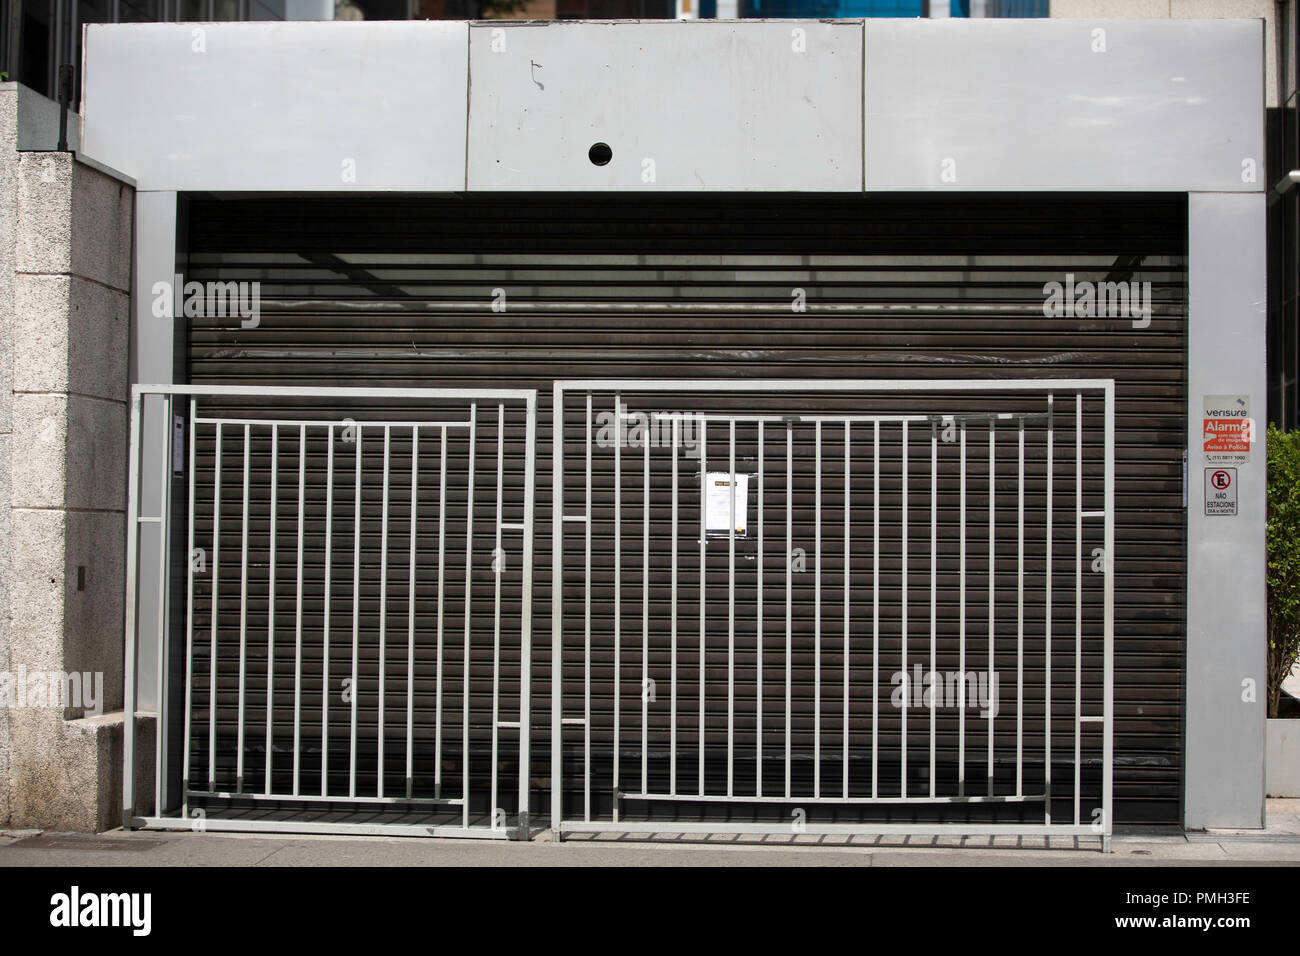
(1064, 104)
(1023, 105)
(262, 106)
(701, 105)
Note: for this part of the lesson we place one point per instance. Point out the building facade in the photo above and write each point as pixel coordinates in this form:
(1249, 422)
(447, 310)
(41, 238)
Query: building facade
(962, 346)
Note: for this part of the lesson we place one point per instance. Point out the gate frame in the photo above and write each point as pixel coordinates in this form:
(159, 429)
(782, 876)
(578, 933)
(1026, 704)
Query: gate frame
(135, 521)
(560, 826)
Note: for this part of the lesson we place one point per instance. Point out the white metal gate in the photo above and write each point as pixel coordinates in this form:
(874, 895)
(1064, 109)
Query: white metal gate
(336, 671)
(739, 565)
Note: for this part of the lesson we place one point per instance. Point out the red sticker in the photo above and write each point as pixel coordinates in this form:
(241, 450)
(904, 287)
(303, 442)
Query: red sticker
(1226, 435)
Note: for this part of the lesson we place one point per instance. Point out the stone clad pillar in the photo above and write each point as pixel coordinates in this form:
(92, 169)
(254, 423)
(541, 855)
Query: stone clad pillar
(63, 425)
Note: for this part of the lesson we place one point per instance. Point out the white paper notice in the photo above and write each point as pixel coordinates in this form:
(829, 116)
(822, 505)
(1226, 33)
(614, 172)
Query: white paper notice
(717, 513)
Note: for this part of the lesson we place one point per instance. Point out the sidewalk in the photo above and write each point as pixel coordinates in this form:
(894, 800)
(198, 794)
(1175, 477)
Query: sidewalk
(1279, 844)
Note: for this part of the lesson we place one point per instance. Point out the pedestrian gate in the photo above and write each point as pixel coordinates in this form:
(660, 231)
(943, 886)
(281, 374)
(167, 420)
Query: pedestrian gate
(353, 609)
(832, 607)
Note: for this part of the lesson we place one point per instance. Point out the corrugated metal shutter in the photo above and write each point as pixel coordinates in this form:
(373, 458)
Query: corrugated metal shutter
(401, 292)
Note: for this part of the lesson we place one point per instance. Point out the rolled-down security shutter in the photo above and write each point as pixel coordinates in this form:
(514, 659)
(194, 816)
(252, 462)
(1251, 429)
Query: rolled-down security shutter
(517, 291)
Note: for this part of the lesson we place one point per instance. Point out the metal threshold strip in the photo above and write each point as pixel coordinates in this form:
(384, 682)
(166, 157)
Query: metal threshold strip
(332, 828)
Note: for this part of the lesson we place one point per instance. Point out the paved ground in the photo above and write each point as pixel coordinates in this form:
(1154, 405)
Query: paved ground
(1279, 844)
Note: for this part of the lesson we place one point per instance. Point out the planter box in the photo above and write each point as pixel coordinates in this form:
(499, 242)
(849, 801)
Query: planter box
(1282, 757)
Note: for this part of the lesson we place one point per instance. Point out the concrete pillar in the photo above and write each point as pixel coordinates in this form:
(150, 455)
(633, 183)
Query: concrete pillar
(8, 225)
(72, 298)
(1225, 554)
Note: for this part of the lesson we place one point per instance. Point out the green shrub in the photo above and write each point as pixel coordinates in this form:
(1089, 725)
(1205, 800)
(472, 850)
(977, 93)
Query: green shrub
(1283, 547)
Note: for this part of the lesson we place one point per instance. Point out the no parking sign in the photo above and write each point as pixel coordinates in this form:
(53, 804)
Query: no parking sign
(1220, 491)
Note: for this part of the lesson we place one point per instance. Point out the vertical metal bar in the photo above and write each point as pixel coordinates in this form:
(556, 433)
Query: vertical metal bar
(1108, 619)
(961, 626)
(243, 615)
(672, 730)
(297, 614)
(875, 608)
(164, 567)
(129, 612)
(704, 534)
(1020, 610)
(1047, 631)
(74, 46)
(789, 575)
(325, 623)
(903, 613)
(410, 613)
(438, 635)
(645, 611)
(55, 46)
(618, 587)
(383, 614)
(934, 590)
(526, 613)
(848, 535)
(189, 618)
(216, 569)
(817, 610)
(992, 704)
(557, 604)
(731, 609)
(1078, 599)
(499, 567)
(270, 618)
(758, 632)
(465, 650)
(586, 630)
(356, 612)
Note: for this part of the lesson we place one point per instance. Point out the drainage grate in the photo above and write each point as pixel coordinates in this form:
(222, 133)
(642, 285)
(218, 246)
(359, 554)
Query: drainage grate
(75, 841)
